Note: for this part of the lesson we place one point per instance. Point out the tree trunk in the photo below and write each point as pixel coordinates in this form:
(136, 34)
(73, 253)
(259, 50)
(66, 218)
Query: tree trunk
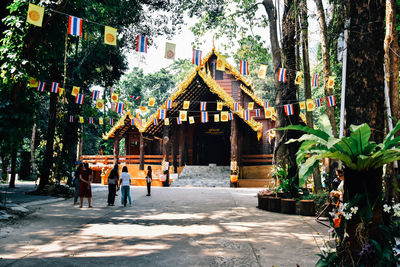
(325, 47)
(48, 155)
(13, 167)
(33, 148)
(141, 163)
(392, 69)
(364, 104)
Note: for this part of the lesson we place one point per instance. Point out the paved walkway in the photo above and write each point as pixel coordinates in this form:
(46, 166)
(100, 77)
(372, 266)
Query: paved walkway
(173, 227)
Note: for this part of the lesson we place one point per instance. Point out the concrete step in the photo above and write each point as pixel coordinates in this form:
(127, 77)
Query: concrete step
(204, 176)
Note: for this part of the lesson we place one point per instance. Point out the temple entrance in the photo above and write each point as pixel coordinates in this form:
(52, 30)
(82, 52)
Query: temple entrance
(212, 144)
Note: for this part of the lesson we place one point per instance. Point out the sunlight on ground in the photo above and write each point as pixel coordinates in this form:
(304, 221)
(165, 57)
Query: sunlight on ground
(171, 216)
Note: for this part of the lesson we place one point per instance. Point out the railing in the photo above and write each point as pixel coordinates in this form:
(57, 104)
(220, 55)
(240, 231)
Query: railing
(127, 159)
(261, 159)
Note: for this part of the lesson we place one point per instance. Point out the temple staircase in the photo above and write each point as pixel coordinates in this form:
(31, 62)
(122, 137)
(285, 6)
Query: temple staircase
(203, 176)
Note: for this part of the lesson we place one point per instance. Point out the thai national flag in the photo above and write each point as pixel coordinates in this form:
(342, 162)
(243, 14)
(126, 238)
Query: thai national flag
(135, 97)
(196, 57)
(244, 67)
(75, 26)
(79, 99)
(318, 102)
(71, 118)
(288, 109)
(111, 121)
(331, 100)
(168, 103)
(236, 106)
(120, 108)
(204, 117)
(230, 115)
(282, 75)
(133, 122)
(95, 94)
(258, 113)
(155, 121)
(54, 87)
(90, 120)
(141, 43)
(246, 115)
(266, 104)
(315, 80)
(161, 114)
(203, 106)
(178, 121)
(41, 86)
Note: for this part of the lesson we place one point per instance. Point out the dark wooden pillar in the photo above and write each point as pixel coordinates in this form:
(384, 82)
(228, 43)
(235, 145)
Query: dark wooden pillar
(182, 145)
(116, 149)
(173, 151)
(141, 164)
(166, 143)
(234, 139)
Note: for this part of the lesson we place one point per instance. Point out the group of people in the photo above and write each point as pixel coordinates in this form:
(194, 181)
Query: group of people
(83, 178)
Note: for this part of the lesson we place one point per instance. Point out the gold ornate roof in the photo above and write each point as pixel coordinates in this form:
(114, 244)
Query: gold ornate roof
(121, 124)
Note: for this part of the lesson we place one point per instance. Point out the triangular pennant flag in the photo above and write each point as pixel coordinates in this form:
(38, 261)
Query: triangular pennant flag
(169, 50)
(152, 101)
(262, 71)
(331, 82)
(186, 104)
(310, 105)
(220, 105)
(75, 90)
(216, 117)
(110, 35)
(114, 97)
(35, 15)
(250, 106)
(183, 115)
(299, 78)
(221, 62)
(191, 120)
(224, 116)
(302, 105)
(100, 104)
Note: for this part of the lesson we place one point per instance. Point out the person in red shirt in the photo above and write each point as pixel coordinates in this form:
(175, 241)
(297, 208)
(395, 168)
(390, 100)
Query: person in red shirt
(85, 190)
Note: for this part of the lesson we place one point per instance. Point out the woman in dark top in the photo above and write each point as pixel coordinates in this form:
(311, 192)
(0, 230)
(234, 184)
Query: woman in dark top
(149, 178)
(76, 183)
(85, 190)
(112, 185)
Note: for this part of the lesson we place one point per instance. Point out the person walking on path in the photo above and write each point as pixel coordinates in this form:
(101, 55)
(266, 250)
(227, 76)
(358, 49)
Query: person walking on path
(77, 183)
(112, 185)
(85, 190)
(149, 179)
(125, 181)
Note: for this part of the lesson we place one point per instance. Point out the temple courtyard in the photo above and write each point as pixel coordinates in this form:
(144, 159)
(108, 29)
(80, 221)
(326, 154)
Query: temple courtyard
(176, 226)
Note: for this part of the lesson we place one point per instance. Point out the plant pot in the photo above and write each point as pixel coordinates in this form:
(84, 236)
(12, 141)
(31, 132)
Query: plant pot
(274, 204)
(288, 206)
(307, 207)
(280, 194)
(262, 202)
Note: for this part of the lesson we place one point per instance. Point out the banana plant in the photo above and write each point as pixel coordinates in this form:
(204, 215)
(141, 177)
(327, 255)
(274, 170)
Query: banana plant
(357, 152)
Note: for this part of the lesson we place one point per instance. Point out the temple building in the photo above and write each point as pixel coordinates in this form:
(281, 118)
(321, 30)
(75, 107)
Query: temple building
(207, 120)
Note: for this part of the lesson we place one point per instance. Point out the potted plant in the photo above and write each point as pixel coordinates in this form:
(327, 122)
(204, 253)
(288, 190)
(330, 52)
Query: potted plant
(263, 196)
(288, 203)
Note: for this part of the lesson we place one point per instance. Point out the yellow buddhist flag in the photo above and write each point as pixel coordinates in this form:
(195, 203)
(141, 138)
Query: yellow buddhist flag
(331, 82)
(262, 71)
(310, 105)
(35, 15)
(183, 115)
(220, 105)
(33, 82)
(100, 104)
(80, 119)
(110, 35)
(143, 109)
(299, 78)
(216, 117)
(114, 97)
(152, 101)
(221, 62)
(60, 91)
(302, 104)
(224, 116)
(191, 120)
(75, 90)
(268, 112)
(169, 50)
(186, 104)
(101, 121)
(166, 121)
(251, 106)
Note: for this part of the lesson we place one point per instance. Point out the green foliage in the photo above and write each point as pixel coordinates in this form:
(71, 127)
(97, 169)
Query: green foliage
(356, 151)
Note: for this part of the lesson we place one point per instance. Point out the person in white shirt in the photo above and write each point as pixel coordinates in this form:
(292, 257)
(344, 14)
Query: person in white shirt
(124, 182)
